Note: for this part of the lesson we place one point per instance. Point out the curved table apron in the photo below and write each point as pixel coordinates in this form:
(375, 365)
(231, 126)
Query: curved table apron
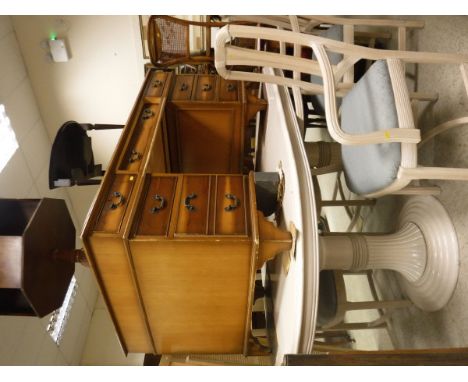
(295, 293)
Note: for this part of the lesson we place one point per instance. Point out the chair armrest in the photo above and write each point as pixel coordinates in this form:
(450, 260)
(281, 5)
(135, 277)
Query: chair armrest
(403, 135)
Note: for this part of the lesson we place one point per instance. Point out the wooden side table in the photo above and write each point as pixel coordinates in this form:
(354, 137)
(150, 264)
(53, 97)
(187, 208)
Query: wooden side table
(34, 274)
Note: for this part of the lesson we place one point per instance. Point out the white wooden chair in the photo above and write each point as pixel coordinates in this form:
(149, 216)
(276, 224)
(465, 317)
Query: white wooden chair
(334, 303)
(347, 29)
(377, 129)
(354, 28)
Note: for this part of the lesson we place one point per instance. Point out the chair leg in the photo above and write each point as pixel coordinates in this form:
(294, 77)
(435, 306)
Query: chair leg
(326, 348)
(365, 305)
(326, 169)
(354, 219)
(418, 190)
(441, 173)
(356, 326)
(348, 202)
(330, 336)
(442, 128)
(464, 73)
(431, 97)
(359, 202)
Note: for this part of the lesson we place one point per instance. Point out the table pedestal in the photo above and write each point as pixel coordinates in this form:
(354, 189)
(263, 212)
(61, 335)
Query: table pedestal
(423, 250)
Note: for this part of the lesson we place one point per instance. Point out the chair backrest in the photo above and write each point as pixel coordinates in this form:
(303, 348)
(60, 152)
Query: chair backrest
(169, 41)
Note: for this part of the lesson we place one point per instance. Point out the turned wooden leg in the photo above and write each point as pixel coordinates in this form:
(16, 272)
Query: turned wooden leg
(71, 255)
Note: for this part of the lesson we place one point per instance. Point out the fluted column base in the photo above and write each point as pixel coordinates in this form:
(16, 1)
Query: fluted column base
(423, 250)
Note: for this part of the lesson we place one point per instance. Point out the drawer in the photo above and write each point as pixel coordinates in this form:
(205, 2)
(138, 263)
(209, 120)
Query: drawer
(156, 84)
(194, 206)
(183, 88)
(113, 210)
(228, 90)
(230, 210)
(154, 213)
(205, 88)
(139, 139)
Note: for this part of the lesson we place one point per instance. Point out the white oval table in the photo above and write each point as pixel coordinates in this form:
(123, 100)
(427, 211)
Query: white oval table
(423, 250)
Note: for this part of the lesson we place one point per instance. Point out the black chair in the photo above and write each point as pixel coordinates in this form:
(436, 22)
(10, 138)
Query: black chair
(72, 159)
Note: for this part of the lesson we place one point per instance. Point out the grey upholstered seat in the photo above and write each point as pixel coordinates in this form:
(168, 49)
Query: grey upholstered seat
(368, 107)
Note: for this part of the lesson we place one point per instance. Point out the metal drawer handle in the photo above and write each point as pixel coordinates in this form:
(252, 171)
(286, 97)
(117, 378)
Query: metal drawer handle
(187, 201)
(183, 87)
(162, 204)
(134, 156)
(236, 202)
(147, 113)
(157, 83)
(120, 200)
(207, 87)
(231, 87)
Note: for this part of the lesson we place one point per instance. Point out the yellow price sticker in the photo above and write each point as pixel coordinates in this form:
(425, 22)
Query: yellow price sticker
(387, 134)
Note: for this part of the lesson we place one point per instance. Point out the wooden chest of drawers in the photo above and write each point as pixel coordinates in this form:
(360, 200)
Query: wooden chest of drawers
(175, 253)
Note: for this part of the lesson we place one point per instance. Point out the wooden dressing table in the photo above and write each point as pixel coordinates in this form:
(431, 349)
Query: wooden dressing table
(174, 237)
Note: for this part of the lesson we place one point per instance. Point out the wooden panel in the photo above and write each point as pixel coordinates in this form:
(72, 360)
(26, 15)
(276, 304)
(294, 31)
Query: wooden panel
(171, 118)
(156, 85)
(405, 357)
(183, 88)
(11, 261)
(195, 293)
(230, 218)
(135, 150)
(193, 220)
(205, 88)
(114, 271)
(159, 155)
(113, 210)
(208, 140)
(228, 90)
(155, 209)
